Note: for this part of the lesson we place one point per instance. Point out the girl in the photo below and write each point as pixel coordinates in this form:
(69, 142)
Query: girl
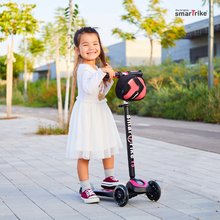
(92, 132)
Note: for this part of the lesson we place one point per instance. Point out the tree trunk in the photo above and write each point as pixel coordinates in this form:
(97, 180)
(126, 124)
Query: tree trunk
(25, 68)
(59, 92)
(151, 51)
(211, 45)
(48, 74)
(68, 66)
(10, 60)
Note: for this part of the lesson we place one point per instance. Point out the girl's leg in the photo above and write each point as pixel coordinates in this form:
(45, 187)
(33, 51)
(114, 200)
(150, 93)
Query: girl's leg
(83, 169)
(83, 173)
(108, 163)
(110, 180)
(87, 195)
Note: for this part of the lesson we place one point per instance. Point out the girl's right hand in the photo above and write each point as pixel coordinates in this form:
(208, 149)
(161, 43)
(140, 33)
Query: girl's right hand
(108, 69)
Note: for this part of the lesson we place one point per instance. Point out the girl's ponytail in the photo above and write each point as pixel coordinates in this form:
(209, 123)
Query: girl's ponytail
(77, 61)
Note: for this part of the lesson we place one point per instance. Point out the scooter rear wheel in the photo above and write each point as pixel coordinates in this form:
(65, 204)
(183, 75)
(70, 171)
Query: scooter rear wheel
(121, 195)
(153, 191)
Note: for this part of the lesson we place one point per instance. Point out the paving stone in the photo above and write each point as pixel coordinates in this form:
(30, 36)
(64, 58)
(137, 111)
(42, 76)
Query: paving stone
(38, 182)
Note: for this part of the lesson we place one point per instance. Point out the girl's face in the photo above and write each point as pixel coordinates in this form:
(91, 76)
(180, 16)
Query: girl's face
(89, 48)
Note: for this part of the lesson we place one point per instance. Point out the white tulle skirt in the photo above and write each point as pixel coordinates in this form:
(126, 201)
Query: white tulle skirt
(92, 133)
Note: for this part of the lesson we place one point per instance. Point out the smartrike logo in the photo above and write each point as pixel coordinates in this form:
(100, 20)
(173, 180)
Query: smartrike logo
(192, 12)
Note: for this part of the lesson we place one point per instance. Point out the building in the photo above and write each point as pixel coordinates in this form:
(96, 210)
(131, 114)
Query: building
(133, 53)
(40, 72)
(194, 47)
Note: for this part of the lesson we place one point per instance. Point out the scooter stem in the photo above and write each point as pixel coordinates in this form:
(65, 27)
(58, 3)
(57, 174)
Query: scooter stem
(130, 148)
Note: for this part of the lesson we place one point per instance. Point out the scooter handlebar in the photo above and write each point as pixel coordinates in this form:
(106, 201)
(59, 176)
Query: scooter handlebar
(135, 73)
(119, 74)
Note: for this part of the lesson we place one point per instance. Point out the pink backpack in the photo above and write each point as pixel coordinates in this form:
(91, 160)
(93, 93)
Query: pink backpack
(130, 86)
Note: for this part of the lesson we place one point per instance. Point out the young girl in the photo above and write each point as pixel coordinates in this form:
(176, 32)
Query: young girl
(92, 131)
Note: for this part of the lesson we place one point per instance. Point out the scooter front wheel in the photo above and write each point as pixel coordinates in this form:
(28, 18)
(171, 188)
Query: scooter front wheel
(153, 191)
(121, 195)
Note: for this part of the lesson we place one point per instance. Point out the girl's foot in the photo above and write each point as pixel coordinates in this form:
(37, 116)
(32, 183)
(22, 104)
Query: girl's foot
(88, 196)
(110, 182)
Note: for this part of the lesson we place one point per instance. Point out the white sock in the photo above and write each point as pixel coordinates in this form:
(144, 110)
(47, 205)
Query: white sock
(109, 172)
(85, 184)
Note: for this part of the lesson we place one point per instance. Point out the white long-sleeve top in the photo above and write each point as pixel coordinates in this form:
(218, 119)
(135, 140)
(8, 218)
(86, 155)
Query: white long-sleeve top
(89, 81)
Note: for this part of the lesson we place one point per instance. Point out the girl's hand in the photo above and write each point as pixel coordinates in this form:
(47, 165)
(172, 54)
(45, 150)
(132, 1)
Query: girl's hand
(108, 69)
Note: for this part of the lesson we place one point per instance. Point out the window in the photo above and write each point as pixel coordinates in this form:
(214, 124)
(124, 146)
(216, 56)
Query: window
(200, 52)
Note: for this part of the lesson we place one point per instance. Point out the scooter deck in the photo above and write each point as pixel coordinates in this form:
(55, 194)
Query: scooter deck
(104, 192)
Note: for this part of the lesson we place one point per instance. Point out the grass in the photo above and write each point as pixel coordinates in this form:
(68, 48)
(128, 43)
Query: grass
(51, 130)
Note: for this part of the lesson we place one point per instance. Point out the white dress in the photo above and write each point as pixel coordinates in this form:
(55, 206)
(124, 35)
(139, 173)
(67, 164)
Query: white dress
(92, 131)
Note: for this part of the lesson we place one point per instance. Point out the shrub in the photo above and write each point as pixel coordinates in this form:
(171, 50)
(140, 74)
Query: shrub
(193, 104)
(18, 97)
(175, 91)
(40, 95)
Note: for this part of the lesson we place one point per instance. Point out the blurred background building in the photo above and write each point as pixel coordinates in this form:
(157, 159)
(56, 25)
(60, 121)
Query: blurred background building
(133, 53)
(194, 47)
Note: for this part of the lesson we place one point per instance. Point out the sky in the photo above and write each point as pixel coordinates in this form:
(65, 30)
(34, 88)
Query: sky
(106, 14)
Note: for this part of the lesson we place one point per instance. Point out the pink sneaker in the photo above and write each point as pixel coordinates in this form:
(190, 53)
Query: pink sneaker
(88, 196)
(110, 182)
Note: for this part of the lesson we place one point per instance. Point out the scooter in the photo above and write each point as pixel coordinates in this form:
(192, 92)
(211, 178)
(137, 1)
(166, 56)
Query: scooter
(121, 193)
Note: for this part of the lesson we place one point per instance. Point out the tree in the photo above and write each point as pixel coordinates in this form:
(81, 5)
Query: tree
(2, 67)
(71, 15)
(18, 66)
(49, 41)
(215, 2)
(30, 47)
(68, 21)
(15, 20)
(35, 46)
(153, 25)
(58, 42)
(211, 41)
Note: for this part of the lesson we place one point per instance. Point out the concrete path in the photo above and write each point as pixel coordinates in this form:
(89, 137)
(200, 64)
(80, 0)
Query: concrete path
(38, 182)
(203, 136)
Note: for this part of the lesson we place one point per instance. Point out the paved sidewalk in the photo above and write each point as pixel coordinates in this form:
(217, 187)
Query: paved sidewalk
(38, 182)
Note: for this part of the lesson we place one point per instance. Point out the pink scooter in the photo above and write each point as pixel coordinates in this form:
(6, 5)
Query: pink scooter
(131, 87)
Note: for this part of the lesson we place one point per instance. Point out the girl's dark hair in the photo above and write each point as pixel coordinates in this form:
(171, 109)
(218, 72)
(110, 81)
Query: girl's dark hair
(84, 30)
